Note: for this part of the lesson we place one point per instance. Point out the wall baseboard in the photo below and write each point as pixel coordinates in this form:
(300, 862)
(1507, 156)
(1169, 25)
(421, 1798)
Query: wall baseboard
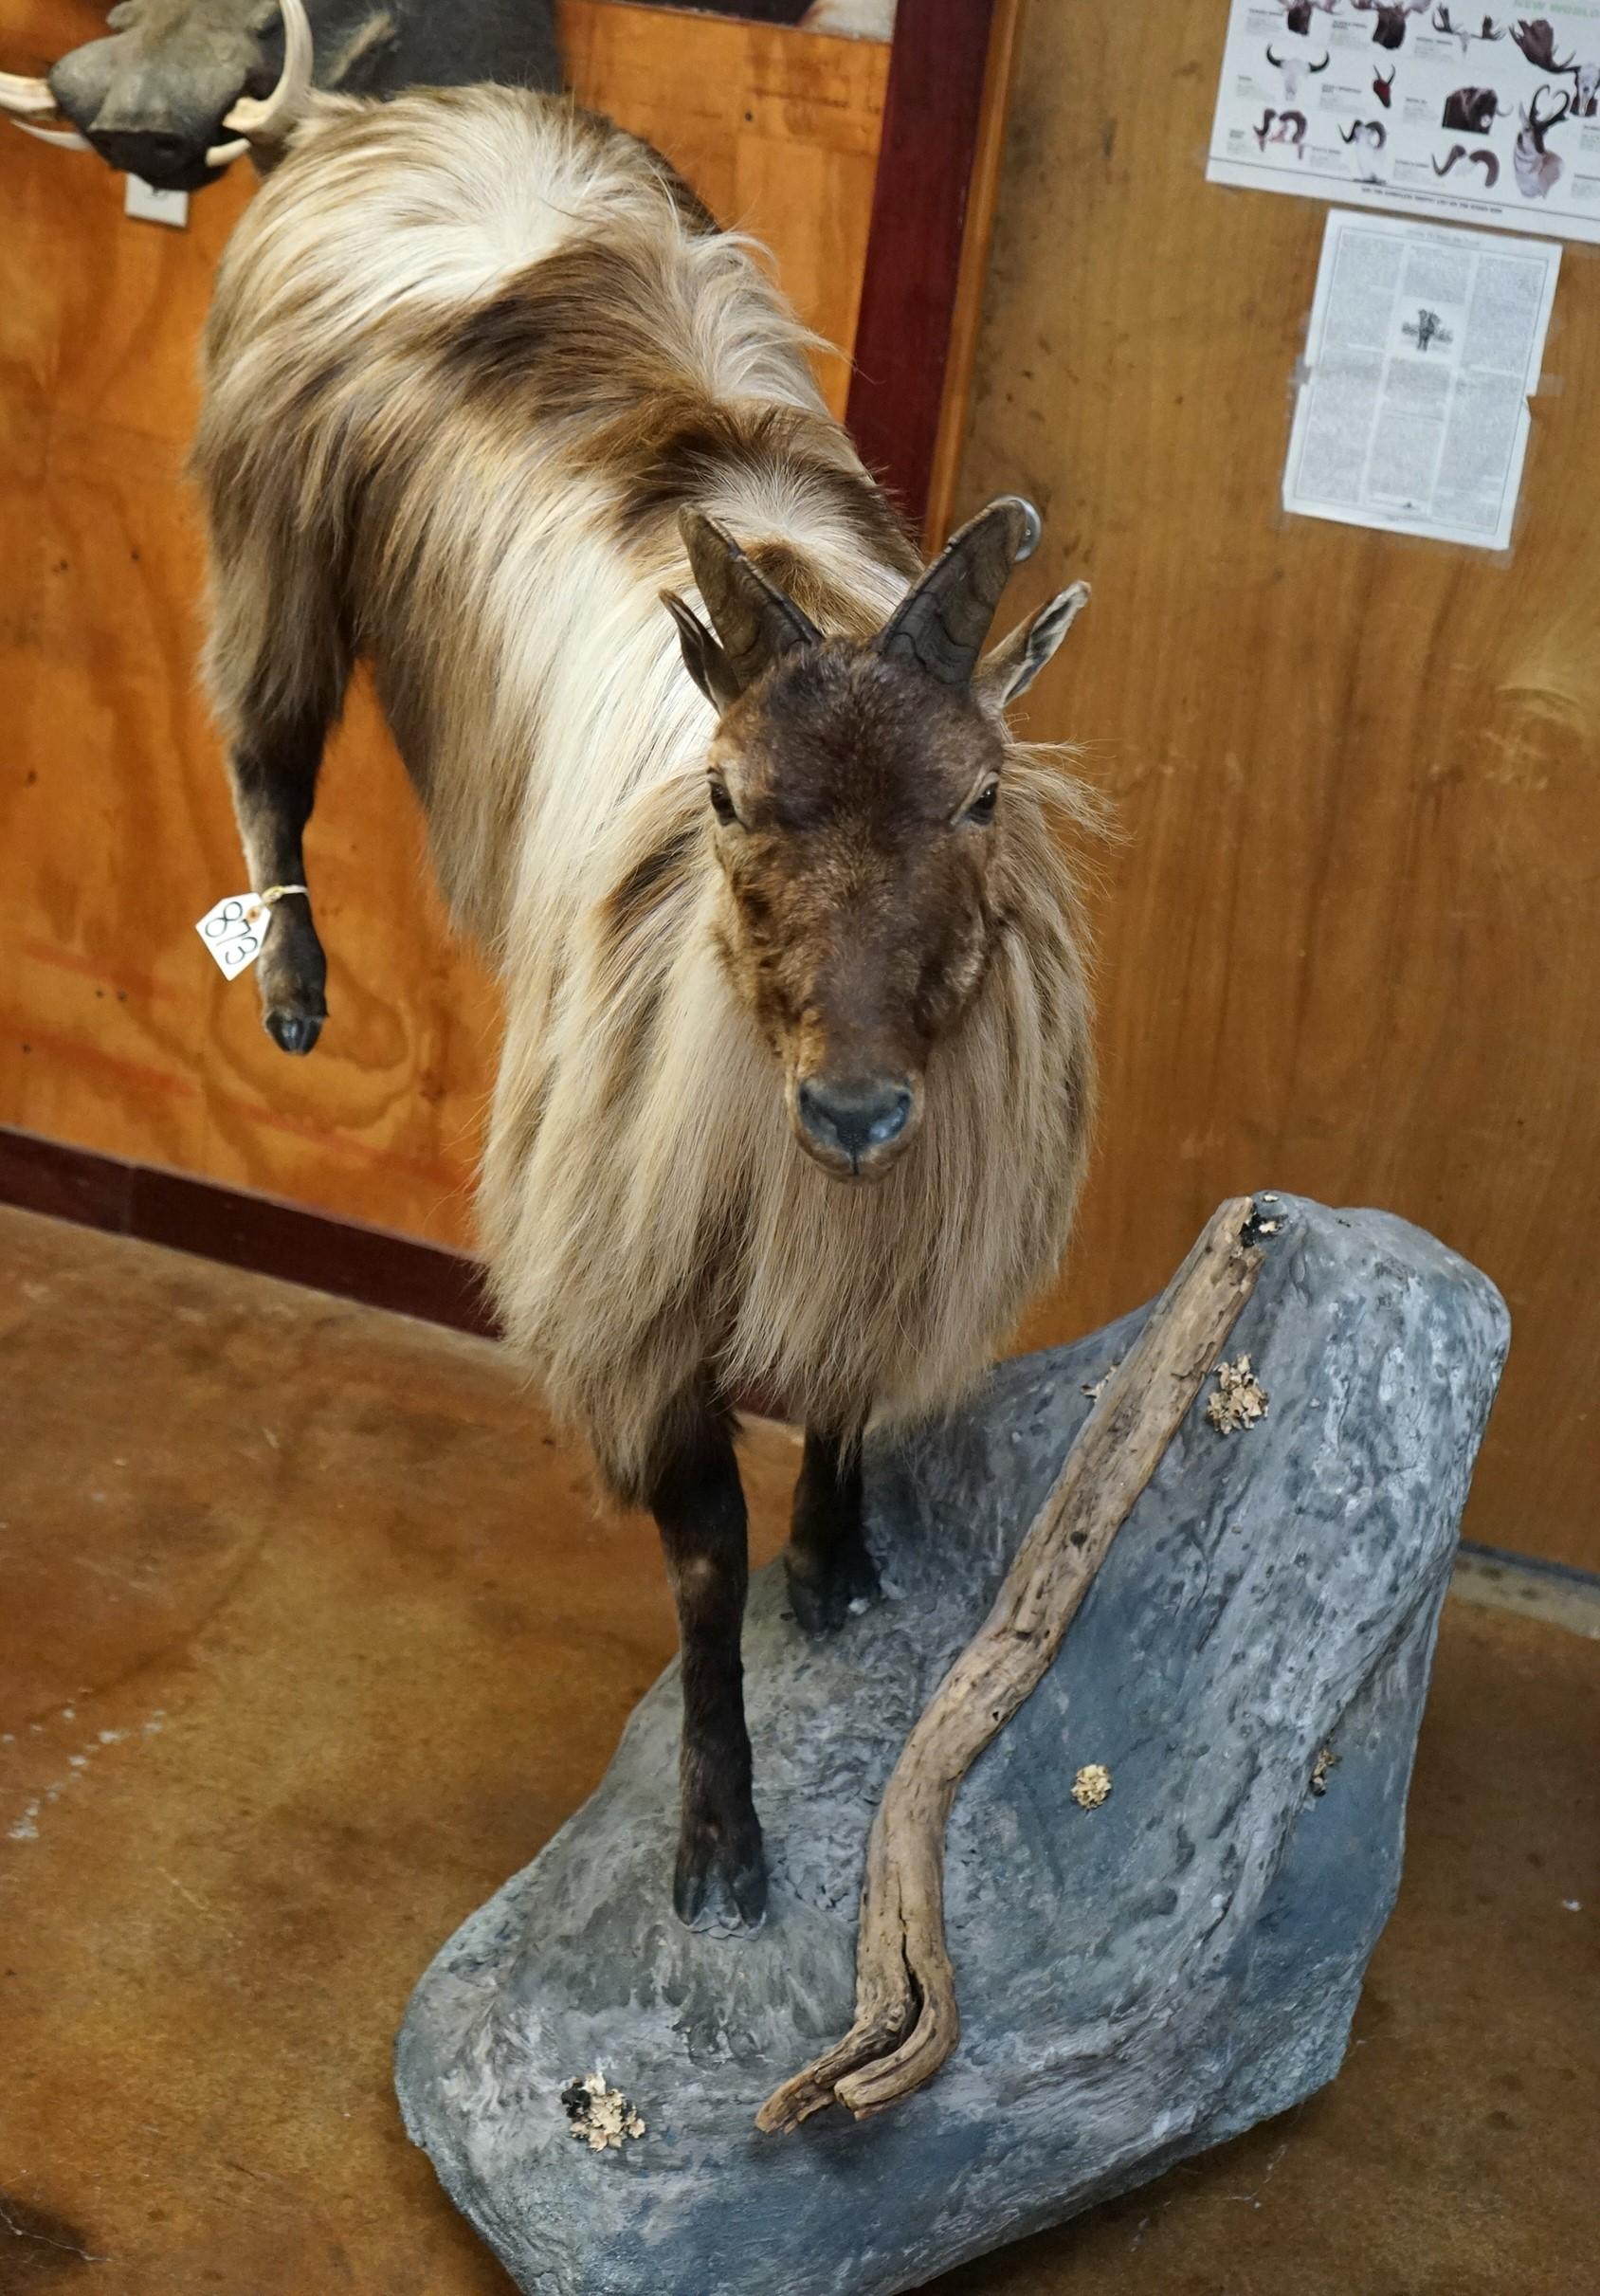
(373, 1264)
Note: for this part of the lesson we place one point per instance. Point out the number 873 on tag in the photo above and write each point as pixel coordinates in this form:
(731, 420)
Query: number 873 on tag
(234, 931)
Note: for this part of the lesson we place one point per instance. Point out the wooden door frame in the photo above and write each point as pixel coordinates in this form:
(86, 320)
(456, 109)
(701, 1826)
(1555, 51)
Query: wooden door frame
(933, 210)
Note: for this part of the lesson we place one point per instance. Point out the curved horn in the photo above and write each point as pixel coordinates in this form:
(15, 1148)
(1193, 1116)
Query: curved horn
(27, 101)
(20, 95)
(942, 622)
(755, 623)
(67, 138)
(1272, 59)
(265, 119)
(1322, 66)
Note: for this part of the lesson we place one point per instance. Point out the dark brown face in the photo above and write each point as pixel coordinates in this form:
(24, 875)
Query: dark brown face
(857, 807)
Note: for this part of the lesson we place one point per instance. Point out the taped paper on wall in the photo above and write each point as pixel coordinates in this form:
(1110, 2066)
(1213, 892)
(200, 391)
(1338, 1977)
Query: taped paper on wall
(1416, 106)
(1425, 345)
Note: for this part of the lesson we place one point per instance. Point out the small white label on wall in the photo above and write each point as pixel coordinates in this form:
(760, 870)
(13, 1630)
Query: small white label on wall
(149, 205)
(1424, 344)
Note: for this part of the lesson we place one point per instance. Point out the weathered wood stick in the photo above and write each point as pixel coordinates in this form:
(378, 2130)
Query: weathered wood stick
(907, 2021)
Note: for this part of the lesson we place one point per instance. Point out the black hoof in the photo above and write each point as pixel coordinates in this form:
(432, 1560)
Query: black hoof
(295, 1032)
(720, 1894)
(821, 1603)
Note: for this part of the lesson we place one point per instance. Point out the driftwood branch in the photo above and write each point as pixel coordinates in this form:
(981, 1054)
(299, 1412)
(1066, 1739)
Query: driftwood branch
(907, 2021)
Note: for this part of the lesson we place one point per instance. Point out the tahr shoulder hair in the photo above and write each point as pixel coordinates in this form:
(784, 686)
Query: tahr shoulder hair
(483, 382)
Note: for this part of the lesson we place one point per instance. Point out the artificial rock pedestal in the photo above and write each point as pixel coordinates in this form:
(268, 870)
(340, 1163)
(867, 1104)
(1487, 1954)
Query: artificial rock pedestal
(1137, 1981)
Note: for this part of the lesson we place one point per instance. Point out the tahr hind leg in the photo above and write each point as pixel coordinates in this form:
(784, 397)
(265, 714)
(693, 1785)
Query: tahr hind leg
(273, 762)
(830, 1573)
(278, 661)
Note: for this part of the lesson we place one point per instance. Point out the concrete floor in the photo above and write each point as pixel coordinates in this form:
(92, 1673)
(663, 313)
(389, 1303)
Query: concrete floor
(309, 1636)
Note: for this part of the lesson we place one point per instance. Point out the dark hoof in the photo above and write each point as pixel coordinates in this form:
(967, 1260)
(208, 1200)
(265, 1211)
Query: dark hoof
(822, 1602)
(720, 1892)
(295, 1032)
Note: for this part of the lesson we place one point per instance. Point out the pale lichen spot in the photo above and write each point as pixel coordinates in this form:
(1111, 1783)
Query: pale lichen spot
(1239, 1399)
(1091, 1786)
(599, 2115)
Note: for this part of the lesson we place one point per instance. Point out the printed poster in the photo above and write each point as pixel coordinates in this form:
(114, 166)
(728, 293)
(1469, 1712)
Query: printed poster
(1481, 117)
(1425, 345)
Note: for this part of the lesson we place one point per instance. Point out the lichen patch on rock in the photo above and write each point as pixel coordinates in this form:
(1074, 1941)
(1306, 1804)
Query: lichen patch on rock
(1239, 1399)
(601, 2117)
(1091, 1786)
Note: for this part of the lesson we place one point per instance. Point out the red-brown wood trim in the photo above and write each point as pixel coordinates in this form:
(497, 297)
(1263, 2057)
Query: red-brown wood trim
(258, 1232)
(933, 115)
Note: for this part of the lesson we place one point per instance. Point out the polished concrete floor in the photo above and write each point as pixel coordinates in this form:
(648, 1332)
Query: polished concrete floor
(309, 1635)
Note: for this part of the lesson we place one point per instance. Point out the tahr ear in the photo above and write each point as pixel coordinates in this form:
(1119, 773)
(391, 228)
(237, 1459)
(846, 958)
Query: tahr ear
(704, 658)
(1013, 665)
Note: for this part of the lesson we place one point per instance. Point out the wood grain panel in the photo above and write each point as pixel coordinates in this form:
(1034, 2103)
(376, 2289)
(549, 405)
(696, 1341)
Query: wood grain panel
(1349, 939)
(115, 829)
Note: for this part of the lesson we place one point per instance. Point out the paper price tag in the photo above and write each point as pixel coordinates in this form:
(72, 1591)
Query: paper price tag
(235, 929)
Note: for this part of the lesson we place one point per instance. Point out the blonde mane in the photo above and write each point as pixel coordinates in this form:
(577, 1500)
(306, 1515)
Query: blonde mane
(471, 352)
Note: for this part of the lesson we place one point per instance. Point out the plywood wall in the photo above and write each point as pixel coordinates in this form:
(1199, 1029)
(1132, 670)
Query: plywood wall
(1349, 941)
(114, 829)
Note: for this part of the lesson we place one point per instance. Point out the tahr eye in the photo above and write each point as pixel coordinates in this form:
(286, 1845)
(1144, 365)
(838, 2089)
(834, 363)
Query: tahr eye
(721, 804)
(982, 807)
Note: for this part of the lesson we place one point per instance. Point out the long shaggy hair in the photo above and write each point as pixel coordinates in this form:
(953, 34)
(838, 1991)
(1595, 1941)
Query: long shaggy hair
(470, 355)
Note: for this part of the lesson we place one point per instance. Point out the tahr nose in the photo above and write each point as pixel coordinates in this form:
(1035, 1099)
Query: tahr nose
(855, 1118)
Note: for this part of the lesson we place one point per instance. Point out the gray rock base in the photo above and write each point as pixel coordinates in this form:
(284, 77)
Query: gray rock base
(1136, 1982)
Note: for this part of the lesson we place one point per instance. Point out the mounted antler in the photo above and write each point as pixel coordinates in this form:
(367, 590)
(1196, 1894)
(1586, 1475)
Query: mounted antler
(1393, 17)
(1536, 40)
(1384, 89)
(1490, 28)
(1539, 126)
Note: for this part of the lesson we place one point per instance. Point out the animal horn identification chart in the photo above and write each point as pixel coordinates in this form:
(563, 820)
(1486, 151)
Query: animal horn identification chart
(1407, 104)
(1424, 344)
